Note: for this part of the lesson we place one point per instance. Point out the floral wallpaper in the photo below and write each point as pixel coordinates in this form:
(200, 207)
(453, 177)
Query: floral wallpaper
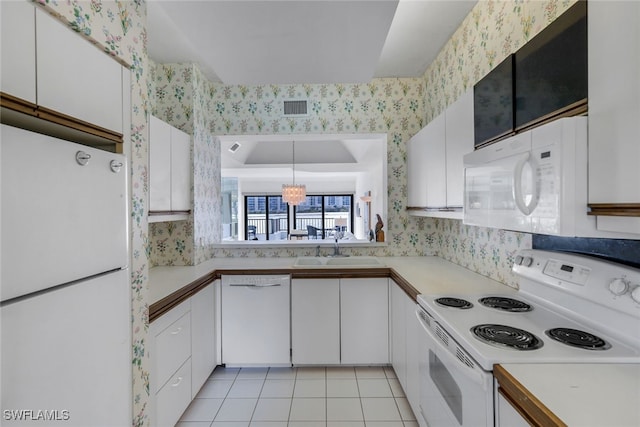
(119, 29)
(400, 107)
(393, 106)
(492, 31)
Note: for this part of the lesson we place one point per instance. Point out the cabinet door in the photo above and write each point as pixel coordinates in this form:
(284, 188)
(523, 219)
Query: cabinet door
(507, 415)
(459, 137)
(315, 321)
(18, 60)
(398, 333)
(614, 107)
(180, 170)
(159, 165)
(434, 163)
(364, 320)
(416, 172)
(412, 388)
(75, 77)
(203, 337)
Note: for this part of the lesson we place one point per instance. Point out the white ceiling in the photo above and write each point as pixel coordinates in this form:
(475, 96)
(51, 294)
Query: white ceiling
(319, 156)
(302, 41)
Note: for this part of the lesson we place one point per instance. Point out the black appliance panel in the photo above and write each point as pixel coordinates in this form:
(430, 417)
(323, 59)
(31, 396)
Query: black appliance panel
(551, 69)
(493, 103)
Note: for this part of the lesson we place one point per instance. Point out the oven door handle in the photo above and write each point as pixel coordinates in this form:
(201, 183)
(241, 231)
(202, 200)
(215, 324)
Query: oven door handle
(473, 373)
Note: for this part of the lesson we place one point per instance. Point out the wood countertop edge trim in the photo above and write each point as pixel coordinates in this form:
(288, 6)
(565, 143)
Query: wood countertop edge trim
(523, 401)
(172, 300)
(165, 304)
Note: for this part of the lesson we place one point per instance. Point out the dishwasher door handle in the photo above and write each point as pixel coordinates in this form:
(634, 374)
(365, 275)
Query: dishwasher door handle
(261, 285)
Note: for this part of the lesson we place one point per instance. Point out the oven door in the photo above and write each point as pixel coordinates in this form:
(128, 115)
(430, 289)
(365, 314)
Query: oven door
(454, 390)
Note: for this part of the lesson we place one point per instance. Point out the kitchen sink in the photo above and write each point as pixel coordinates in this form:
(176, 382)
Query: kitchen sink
(351, 261)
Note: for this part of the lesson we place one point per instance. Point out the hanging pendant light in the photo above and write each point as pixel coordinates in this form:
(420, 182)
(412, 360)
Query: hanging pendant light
(292, 193)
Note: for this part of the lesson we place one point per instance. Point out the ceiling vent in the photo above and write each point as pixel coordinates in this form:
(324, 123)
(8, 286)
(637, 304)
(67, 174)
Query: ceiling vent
(234, 147)
(295, 108)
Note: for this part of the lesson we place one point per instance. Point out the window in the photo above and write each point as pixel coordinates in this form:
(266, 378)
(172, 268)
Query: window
(266, 218)
(323, 215)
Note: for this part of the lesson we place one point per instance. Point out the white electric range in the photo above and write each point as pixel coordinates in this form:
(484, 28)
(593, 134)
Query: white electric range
(568, 309)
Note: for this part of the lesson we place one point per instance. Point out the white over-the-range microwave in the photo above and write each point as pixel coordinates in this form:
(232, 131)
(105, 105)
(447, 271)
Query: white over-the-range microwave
(534, 182)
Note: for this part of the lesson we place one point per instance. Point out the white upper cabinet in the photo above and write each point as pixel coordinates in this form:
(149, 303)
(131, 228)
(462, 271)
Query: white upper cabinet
(614, 109)
(169, 168)
(425, 162)
(416, 173)
(459, 135)
(18, 61)
(434, 163)
(75, 77)
(180, 170)
(435, 167)
(159, 165)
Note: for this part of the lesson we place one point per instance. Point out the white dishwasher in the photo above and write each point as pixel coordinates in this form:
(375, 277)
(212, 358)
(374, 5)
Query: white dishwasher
(256, 320)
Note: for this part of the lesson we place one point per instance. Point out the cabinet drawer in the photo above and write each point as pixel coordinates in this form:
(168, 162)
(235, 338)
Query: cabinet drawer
(173, 347)
(174, 397)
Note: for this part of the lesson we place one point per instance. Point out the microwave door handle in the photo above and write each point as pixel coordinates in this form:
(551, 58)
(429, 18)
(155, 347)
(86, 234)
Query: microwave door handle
(473, 373)
(518, 197)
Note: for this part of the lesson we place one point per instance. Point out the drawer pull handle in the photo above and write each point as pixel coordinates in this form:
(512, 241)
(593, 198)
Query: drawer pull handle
(177, 331)
(177, 383)
(261, 285)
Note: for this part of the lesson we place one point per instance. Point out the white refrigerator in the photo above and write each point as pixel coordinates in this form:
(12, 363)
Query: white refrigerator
(65, 305)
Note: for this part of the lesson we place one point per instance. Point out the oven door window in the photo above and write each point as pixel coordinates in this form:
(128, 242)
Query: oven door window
(446, 384)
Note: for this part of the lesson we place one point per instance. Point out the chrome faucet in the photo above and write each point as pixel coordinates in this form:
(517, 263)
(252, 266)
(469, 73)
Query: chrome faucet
(336, 246)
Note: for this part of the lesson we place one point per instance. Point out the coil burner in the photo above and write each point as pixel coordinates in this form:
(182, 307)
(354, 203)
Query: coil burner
(505, 304)
(577, 338)
(454, 302)
(506, 336)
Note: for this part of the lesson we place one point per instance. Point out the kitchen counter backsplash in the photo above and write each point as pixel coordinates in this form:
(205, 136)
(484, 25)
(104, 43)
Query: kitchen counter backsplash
(486, 251)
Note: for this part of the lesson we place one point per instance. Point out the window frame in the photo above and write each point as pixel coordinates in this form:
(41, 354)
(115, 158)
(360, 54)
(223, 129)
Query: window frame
(322, 211)
(267, 211)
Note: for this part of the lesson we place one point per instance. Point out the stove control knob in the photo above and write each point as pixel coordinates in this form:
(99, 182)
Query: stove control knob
(527, 261)
(619, 286)
(519, 259)
(635, 295)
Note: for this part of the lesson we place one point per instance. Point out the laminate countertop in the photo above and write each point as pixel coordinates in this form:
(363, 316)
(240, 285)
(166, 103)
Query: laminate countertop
(420, 275)
(582, 395)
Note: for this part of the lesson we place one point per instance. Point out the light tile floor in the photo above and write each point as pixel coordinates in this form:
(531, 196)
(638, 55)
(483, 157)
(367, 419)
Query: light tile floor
(300, 397)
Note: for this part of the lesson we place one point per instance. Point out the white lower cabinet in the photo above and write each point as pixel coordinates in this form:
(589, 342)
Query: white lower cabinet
(174, 397)
(183, 355)
(340, 321)
(398, 326)
(364, 321)
(412, 389)
(507, 415)
(203, 337)
(170, 354)
(315, 321)
(404, 345)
